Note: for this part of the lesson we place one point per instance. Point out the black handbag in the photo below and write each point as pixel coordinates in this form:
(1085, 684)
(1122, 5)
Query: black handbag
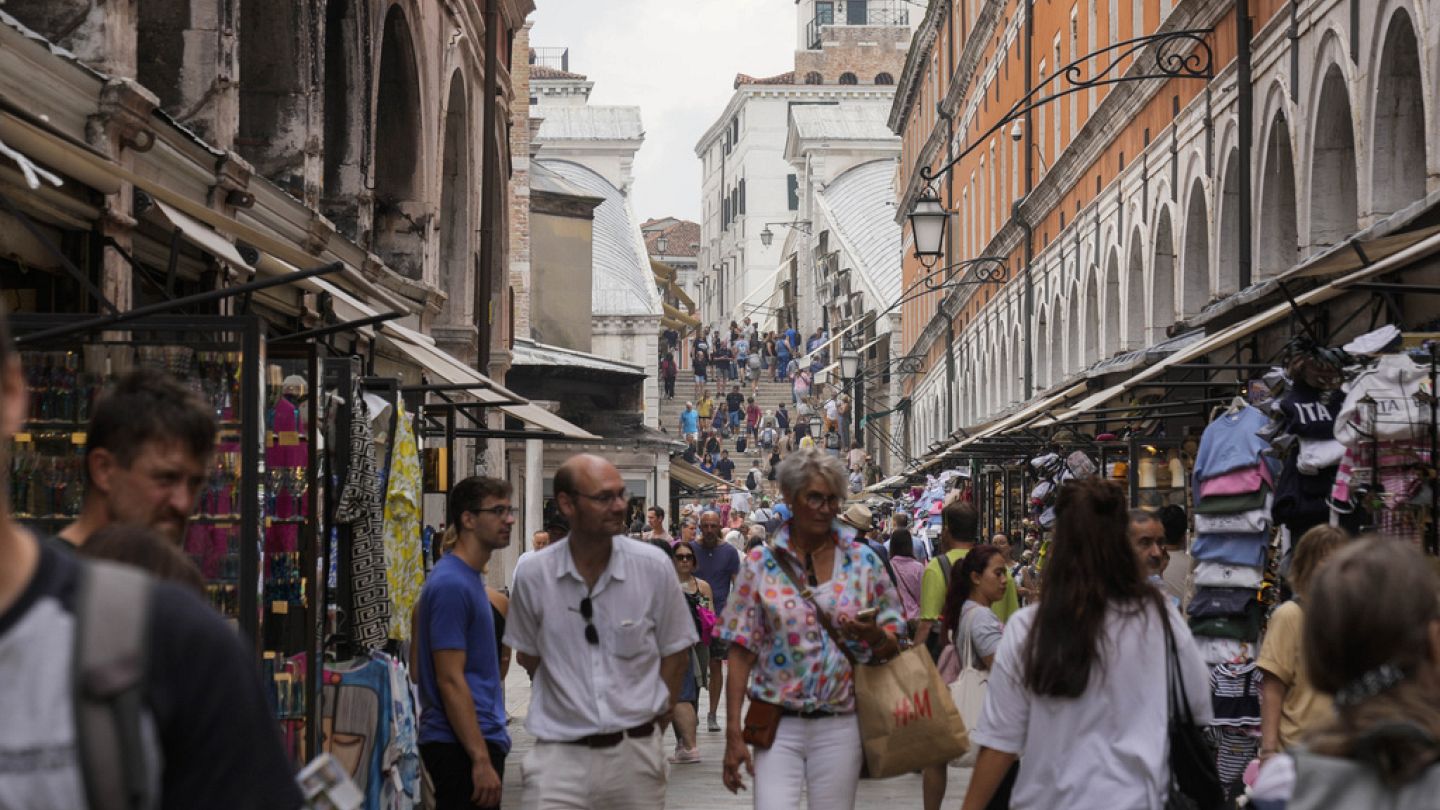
(1194, 775)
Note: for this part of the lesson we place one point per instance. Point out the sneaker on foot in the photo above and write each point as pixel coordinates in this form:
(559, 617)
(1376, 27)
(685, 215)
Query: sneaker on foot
(683, 757)
(711, 724)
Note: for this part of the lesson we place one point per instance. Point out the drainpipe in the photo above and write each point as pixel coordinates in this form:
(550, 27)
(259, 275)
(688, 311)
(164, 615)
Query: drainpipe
(953, 242)
(490, 197)
(1245, 90)
(1029, 186)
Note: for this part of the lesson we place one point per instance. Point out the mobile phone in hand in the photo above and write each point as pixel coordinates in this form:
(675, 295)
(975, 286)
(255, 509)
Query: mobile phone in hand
(867, 615)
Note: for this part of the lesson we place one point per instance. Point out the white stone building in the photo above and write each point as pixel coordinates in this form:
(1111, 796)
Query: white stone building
(847, 56)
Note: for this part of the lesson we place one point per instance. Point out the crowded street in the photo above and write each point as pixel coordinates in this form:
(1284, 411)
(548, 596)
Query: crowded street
(697, 404)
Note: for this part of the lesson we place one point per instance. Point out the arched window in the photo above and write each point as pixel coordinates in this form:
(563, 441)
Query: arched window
(884, 78)
(814, 77)
(848, 78)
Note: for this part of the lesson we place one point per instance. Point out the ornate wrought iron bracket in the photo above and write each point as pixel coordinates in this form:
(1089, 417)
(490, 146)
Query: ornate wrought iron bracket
(983, 270)
(1175, 55)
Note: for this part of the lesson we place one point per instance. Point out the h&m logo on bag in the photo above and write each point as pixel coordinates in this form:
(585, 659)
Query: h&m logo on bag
(912, 708)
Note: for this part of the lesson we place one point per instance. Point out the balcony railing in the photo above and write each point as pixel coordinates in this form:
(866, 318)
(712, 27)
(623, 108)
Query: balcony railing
(856, 12)
(554, 58)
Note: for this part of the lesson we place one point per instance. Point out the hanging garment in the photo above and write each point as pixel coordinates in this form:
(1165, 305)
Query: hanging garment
(369, 718)
(1309, 413)
(1254, 520)
(361, 507)
(1235, 694)
(1234, 749)
(1241, 481)
(1232, 549)
(1396, 414)
(1229, 443)
(404, 558)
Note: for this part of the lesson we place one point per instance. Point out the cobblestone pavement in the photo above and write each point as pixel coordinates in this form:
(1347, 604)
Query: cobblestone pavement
(697, 787)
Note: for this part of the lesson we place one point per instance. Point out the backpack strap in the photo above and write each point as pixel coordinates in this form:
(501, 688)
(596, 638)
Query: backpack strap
(110, 664)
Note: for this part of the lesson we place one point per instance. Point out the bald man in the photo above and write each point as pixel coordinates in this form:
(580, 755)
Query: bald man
(600, 623)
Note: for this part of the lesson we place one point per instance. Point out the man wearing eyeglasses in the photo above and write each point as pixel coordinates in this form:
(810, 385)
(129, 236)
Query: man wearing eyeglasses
(600, 623)
(462, 737)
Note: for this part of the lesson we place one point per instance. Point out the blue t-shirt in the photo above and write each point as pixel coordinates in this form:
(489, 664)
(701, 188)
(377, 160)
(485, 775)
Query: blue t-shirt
(717, 566)
(1230, 443)
(1239, 548)
(455, 614)
(689, 422)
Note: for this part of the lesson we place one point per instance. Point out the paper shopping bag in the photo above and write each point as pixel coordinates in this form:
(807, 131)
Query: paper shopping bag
(907, 718)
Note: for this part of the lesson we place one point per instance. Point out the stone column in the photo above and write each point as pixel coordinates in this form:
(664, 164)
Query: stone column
(534, 504)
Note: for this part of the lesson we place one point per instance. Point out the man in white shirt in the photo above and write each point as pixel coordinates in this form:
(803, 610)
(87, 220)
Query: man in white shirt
(539, 540)
(600, 623)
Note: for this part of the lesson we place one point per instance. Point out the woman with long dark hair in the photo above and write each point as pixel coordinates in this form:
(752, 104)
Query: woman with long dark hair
(978, 581)
(1078, 692)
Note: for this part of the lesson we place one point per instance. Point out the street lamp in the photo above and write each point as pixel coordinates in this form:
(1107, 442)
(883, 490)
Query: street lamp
(849, 361)
(927, 225)
(850, 370)
(662, 245)
(767, 236)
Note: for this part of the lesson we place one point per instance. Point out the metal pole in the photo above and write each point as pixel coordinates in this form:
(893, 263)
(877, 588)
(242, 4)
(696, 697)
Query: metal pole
(174, 304)
(1246, 114)
(1029, 186)
(491, 198)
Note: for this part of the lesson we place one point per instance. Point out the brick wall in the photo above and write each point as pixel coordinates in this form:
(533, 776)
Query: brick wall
(866, 51)
(520, 134)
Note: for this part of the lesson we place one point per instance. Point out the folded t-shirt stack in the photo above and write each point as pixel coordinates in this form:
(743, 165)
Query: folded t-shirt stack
(1233, 492)
(1234, 489)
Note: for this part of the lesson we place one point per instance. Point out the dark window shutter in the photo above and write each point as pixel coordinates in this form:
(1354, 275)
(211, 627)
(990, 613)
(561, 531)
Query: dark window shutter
(792, 190)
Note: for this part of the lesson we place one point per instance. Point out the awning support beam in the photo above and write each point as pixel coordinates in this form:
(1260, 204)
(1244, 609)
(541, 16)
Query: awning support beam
(347, 326)
(164, 307)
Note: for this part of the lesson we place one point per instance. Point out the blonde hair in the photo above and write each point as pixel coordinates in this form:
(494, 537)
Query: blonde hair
(1313, 547)
(449, 539)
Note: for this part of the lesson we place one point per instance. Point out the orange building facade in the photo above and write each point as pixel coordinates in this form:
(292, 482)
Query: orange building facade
(1116, 208)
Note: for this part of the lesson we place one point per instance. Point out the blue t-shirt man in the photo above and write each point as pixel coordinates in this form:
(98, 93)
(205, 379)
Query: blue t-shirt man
(689, 421)
(455, 614)
(793, 337)
(717, 566)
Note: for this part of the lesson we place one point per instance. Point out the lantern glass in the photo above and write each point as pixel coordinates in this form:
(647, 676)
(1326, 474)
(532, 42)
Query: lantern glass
(767, 236)
(849, 362)
(927, 224)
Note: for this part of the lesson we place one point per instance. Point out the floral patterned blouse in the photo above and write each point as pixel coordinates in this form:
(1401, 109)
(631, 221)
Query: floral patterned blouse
(797, 664)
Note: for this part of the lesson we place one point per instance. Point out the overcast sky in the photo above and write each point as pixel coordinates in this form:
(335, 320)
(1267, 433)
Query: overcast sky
(677, 60)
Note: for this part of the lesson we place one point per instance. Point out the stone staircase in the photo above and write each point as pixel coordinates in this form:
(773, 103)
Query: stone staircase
(768, 395)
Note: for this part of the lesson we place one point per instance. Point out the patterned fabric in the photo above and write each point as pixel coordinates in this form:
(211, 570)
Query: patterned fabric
(1234, 748)
(798, 665)
(360, 506)
(404, 560)
(1235, 692)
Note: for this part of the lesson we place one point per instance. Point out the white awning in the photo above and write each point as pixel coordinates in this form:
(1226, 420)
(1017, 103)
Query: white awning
(203, 237)
(447, 367)
(1238, 331)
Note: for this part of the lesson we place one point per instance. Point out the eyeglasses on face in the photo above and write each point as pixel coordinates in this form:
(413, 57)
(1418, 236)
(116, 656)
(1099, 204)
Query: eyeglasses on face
(587, 612)
(501, 512)
(685, 558)
(818, 500)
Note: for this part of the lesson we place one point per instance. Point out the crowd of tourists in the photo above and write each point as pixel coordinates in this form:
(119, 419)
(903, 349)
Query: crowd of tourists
(723, 431)
(1081, 685)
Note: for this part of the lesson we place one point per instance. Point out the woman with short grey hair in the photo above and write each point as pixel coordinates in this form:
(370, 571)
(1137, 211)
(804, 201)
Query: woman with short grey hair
(798, 468)
(780, 639)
